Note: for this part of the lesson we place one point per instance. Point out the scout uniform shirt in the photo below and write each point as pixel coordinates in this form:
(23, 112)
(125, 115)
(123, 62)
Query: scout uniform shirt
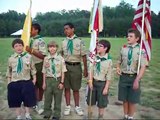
(20, 66)
(102, 69)
(129, 56)
(37, 43)
(53, 66)
(73, 49)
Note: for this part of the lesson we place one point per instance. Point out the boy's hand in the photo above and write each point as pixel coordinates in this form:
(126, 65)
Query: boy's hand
(135, 84)
(34, 81)
(90, 85)
(44, 86)
(60, 86)
(28, 49)
(105, 91)
(118, 70)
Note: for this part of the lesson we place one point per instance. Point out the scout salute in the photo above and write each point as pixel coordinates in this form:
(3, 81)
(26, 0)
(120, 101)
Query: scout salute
(37, 49)
(99, 77)
(73, 50)
(129, 83)
(20, 86)
(53, 81)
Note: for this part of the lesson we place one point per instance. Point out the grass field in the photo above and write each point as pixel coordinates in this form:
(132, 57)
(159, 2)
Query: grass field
(150, 83)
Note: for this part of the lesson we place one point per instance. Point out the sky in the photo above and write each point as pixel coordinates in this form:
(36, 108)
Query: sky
(43, 6)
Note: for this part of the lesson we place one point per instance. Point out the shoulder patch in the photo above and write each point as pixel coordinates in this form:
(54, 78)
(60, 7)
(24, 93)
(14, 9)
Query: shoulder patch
(124, 46)
(82, 42)
(42, 44)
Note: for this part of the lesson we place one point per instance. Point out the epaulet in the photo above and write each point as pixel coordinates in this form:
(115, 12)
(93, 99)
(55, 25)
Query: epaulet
(109, 56)
(11, 55)
(76, 37)
(38, 37)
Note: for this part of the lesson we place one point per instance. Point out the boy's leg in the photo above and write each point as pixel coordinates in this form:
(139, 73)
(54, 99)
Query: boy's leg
(132, 109)
(39, 75)
(100, 113)
(76, 97)
(67, 93)
(27, 113)
(67, 96)
(48, 97)
(125, 109)
(57, 101)
(18, 112)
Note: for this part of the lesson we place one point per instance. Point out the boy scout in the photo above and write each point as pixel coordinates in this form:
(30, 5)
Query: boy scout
(53, 81)
(20, 86)
(100, 76)
(37, 49)
(73, 49)
(129, 83)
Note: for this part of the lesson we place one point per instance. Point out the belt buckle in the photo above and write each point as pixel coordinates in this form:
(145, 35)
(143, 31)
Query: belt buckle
(131, 75)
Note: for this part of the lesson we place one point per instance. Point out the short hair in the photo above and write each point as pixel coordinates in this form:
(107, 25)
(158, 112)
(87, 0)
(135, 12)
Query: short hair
(105, 43)
(69, 24)
(37, 27)
(136, 33)
(52, 43)
(17, 41)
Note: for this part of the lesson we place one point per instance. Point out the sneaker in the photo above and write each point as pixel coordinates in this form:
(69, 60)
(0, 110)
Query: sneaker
(40, 111)
(67, 110)
(55, 118)
(46, 117)
(79, 110)
(28, 117)
(18, 118)
(100, 117)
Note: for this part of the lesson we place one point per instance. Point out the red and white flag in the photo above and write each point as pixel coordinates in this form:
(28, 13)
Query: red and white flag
(95, 26)
(138, 24)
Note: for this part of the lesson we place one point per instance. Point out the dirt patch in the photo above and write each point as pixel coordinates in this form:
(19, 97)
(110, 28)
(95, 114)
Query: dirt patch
(114, 109)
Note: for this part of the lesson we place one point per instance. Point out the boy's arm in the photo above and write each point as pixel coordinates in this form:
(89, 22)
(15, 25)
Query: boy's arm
(143, 64)
(33, 71)
(118, 66)
(44, 75)
(138, 78)
(108, 78)
(34, 79)
(85, 66)
(105, 90)
(9, 72)
(90, 81)
(35, 52)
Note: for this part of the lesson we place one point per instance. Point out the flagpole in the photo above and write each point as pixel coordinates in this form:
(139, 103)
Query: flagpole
(142, 36)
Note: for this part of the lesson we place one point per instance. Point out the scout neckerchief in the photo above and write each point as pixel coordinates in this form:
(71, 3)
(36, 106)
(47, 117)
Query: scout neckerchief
(70, 44)
(99, 60)
(20, 62)
(53, 66)
(130, 54)
(31, 40)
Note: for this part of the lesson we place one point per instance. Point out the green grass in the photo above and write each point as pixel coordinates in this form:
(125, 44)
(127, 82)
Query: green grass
(150, 83)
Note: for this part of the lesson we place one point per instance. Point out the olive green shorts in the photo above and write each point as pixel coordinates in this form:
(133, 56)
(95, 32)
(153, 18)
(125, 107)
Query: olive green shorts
(97, 96)
(39, 75)
(73, 77)
(126, 91)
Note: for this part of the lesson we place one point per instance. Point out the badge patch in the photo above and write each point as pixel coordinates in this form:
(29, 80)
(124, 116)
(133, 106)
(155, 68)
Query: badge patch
(42, 44)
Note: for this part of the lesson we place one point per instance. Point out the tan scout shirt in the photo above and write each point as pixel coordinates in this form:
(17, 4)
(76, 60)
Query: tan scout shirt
(28, 67)
(79, 50)
(105, 71)
(39, 45)
(59, 66)
(123, 59)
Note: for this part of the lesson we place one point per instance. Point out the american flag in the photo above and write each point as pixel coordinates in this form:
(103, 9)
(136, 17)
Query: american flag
(95, 26)
(137, 24)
